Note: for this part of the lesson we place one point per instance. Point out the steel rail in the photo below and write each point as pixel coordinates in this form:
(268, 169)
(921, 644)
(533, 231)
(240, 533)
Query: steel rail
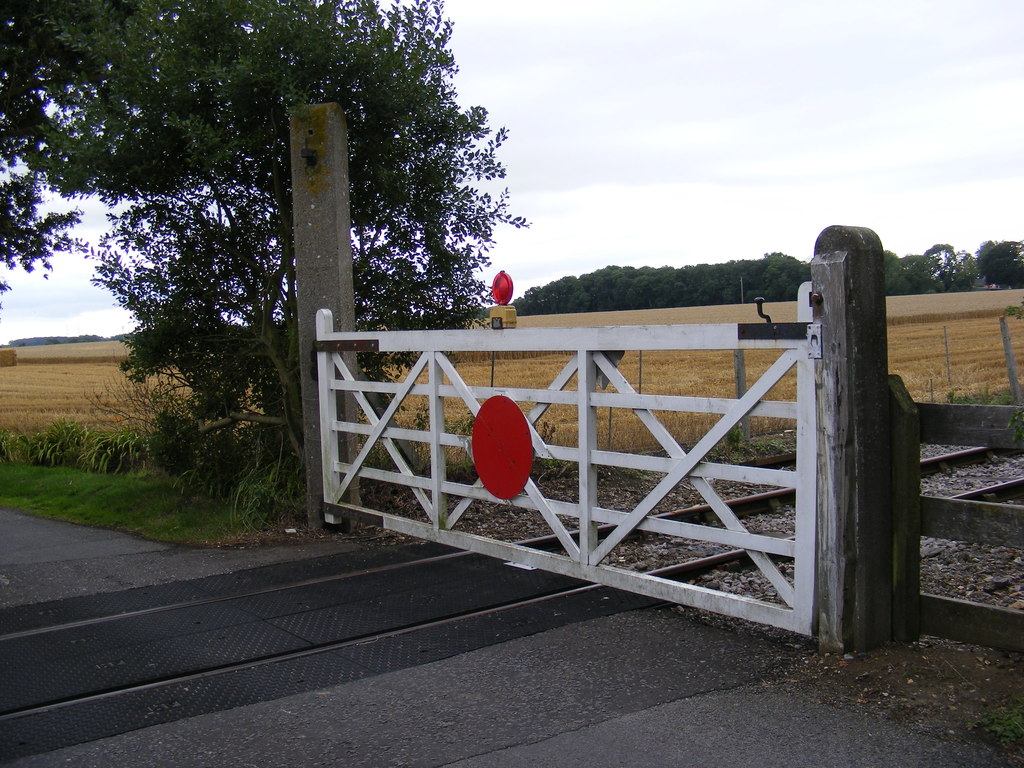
(1009, 489)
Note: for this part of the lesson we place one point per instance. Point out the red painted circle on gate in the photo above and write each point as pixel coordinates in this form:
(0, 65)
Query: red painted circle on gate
(502, 449)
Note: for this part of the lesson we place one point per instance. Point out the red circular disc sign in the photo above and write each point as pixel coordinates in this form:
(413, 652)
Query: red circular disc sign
(502, 449)
(501, 288)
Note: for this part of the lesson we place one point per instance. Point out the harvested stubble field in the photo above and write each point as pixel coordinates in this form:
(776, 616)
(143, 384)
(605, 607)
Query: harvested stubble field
(69, 381)
(60, 381)
(924, 333)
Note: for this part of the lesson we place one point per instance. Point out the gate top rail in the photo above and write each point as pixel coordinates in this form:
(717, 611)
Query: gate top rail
(633, 337)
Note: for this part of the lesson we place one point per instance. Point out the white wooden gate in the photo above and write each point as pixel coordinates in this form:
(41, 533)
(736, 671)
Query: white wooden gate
(787, 563)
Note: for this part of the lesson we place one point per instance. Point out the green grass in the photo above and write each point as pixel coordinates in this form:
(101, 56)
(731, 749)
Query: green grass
(150, 506)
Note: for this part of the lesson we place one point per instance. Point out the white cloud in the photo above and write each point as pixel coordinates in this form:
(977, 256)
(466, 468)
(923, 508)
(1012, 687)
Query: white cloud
(675, 131)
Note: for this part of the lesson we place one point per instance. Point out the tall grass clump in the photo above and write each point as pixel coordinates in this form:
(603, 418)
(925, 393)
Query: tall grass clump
(59, 445)
(123, 450)
(68, 444)
(10, 446)
(263, 494)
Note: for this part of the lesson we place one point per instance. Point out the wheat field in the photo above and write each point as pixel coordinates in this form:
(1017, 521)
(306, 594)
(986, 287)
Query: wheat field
(941, 345)
(61, 381)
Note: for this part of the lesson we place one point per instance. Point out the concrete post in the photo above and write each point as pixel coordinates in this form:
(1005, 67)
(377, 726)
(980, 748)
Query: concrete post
(323, 260)
(854, 501)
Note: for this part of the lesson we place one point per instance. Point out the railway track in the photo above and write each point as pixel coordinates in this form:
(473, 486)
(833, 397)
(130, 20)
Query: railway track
(82, 679)
(1010, 490)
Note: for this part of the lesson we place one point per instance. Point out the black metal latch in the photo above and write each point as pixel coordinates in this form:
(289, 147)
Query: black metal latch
(772, 331)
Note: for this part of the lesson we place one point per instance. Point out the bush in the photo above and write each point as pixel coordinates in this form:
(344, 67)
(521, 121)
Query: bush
(246, 464)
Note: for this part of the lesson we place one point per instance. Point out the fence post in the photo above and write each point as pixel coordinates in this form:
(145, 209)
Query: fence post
(1011, 362)
(854, 549)
(905, 439)
(323, 261)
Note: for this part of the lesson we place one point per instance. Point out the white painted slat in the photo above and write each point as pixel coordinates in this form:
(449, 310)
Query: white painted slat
(401, 433)
(329, 449)
(438, 468)
(775, 409)
(635, 337)
(458, 511)
(586, 426)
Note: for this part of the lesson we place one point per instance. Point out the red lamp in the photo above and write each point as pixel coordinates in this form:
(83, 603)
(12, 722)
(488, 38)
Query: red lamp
(502, 316)
(501, 288)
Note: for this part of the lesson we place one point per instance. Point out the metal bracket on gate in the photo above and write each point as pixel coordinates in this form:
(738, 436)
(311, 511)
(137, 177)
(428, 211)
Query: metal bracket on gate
(771, 331)
(814, 341)
(364, 345)
(791, 331)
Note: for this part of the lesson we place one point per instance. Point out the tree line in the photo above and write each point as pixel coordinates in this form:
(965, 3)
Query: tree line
(42, 341)
(775, 277)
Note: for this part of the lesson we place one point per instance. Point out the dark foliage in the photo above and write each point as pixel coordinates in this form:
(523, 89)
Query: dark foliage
(177, 116)
(776, 277)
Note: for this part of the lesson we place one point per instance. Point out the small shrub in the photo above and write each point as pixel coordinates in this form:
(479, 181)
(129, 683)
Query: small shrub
(1006, 723)
(67, 444)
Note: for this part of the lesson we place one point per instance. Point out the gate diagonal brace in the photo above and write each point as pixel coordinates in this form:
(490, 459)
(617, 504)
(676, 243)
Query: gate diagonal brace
(686, 464)
(374, 420)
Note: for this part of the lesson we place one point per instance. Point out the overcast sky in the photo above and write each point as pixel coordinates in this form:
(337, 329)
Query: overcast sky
(659, 132)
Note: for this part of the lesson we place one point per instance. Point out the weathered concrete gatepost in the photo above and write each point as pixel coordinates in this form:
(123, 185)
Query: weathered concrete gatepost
(323, 260)
(854, 551)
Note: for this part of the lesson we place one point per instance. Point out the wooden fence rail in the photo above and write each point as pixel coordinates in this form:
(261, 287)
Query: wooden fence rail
(916, 613)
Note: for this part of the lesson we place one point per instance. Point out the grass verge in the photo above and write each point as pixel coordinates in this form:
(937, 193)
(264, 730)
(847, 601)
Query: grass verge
(150, 506)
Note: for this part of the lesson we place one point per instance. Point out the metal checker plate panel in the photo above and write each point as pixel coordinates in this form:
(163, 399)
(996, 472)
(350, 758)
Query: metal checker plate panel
(22, 618)
(61, 727)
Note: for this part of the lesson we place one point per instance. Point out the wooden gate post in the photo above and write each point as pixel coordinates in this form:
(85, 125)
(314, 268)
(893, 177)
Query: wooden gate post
(323, 260)
(854, 551)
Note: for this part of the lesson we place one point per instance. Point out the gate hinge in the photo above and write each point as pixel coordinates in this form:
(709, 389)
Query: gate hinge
(814, 341)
